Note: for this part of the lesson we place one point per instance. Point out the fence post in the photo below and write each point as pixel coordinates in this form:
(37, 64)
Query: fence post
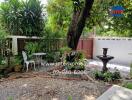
(14, 46)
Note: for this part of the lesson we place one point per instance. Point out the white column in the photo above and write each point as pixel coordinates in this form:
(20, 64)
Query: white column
(14, 46)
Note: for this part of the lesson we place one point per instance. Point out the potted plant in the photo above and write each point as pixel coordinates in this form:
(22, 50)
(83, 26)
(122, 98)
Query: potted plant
(17, 64)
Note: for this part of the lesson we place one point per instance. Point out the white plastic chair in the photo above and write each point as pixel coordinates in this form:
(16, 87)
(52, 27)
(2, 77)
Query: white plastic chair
(27, 62)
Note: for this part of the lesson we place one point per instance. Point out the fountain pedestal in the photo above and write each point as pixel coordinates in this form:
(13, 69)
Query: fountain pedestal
(105, 59)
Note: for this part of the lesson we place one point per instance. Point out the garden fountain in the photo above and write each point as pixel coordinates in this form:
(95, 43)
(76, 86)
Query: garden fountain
(105, 59)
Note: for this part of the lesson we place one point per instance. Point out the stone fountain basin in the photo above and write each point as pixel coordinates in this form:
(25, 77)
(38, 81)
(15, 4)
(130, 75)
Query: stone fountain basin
(105, 57)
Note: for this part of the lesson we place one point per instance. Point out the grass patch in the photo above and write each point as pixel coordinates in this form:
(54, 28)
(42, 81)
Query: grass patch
(128, 85)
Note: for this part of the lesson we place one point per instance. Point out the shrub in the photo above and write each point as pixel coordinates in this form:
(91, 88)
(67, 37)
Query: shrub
(128, 85)
(116, 75)
(53, 57)
(22, 17)
(16, 60)
(50, 57)
(107, 76)
(74, 56)
(80, 55)
(31, 47)
(80, 65)
(65, 49)
(3, 62)
(76, 61)
(99, 75)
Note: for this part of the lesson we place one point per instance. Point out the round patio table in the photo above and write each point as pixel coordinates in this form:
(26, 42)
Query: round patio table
(38, 56)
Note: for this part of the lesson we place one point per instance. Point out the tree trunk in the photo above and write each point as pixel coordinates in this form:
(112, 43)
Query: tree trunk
(77, 24)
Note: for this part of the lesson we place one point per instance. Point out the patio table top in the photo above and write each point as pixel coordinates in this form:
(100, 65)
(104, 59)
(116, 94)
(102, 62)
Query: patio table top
(39, 54)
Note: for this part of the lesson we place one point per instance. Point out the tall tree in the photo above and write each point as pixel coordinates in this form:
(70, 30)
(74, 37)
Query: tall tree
(80, 14)
(98, 15)
(58, 17)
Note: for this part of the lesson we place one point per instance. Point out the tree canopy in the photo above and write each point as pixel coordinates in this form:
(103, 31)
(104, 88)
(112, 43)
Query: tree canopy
(58, 17)
(22, 17)
(120, 26)
(61, 11)
(25, 17)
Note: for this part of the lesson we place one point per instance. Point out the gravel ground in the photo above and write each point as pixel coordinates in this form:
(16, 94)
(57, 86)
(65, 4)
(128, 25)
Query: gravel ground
(40, 88)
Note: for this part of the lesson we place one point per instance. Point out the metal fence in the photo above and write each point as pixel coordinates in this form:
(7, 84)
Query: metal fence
(48, 44)
(52, 44)
(84, 45)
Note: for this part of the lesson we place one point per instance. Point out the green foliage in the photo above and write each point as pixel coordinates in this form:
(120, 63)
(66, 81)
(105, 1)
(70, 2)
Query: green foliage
(116, 75)
(74, 56)
(16, 60)
(32, 47)
(98, 75)
(59, 13)
(65, 49)
(3, 63)
(50, 57)
(128, 85)
(100, 17)
(107, 76)
(22, 17)
(10, 98)
(58, 20)
(26, 17)
(2, 60)
(75, 62)
(32, 19)
(53, 57)
(3, 36)
(80, 55)
(77, 65)
(10, 12)
(69, 97)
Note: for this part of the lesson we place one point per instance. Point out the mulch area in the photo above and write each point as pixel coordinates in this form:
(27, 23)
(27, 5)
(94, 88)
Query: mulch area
(47, 74)
(39, 86)
(46, 86)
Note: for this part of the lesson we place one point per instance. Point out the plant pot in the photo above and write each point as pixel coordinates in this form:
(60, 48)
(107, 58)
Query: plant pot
(17, 68)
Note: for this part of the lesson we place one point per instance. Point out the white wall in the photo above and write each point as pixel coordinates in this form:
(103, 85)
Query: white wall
(120, 48)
